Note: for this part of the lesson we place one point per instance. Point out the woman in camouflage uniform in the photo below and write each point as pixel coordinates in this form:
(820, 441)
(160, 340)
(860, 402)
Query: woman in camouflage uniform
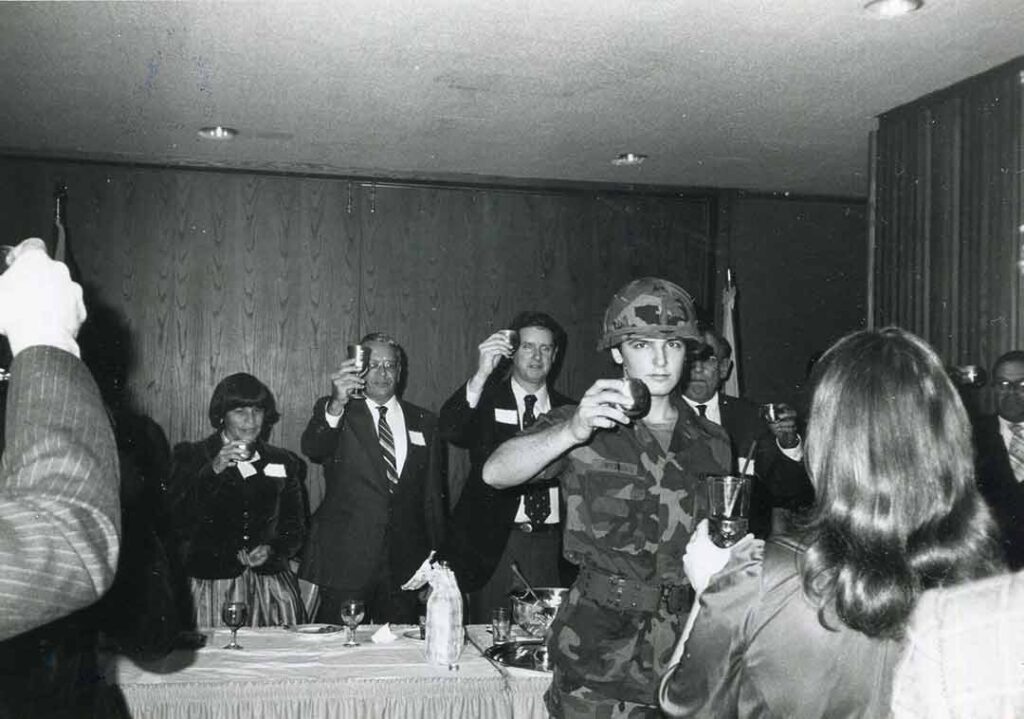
(630, 489)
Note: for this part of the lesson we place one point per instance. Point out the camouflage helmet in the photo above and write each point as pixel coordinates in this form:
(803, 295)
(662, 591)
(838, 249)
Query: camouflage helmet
(649, 307)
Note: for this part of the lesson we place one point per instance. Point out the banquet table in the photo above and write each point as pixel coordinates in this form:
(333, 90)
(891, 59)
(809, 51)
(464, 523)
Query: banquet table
(292, 675)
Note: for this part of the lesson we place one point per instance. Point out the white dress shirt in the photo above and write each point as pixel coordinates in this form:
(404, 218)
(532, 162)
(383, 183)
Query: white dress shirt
(543, 406)
(396, 420)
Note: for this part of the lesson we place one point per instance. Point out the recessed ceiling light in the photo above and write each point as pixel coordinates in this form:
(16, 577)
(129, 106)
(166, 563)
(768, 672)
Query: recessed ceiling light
(217, 132)
(629, 158)
(892, 8)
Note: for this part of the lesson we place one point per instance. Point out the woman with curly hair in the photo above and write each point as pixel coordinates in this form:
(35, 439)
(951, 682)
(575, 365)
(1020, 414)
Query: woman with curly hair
(811, 625)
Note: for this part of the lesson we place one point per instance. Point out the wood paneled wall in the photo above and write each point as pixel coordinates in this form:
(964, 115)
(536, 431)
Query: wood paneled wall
(218, 272)
(949, 217)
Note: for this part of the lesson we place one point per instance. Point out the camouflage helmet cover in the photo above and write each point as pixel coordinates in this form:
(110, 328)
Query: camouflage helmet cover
(649, 307)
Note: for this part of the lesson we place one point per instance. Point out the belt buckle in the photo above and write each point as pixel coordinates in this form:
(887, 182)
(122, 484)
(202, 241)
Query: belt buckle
(525, 527)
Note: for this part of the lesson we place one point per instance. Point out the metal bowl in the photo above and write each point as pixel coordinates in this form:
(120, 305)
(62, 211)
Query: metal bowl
(535, 615)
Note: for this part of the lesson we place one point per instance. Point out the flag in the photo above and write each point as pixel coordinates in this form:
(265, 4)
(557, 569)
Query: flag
(732, 385)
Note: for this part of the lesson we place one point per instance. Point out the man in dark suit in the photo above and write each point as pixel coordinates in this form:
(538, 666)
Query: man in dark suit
(778, 456)
(999, 440)
(491, 527)
(384, 508)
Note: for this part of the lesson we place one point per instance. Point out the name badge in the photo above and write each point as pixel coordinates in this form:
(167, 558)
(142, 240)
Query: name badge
(506, 416)
(417, 438)
(246, 469)
(274, 470)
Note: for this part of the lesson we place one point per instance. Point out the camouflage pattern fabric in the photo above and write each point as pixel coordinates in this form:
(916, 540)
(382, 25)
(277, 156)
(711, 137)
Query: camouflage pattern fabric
(629, 510)
(649, 307)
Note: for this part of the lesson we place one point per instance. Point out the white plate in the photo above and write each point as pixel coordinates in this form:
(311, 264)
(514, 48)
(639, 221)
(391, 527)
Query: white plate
(317, 628)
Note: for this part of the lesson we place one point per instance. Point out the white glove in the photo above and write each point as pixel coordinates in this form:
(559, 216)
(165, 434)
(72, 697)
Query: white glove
(39, 304)
(703, 559)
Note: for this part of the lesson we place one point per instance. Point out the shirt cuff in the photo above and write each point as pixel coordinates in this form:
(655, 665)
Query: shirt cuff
(795, 453)
(472, 398)
(332, 420)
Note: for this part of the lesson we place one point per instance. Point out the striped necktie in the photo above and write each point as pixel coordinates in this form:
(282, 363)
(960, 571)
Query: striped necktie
(387, 447)
(1016, 450)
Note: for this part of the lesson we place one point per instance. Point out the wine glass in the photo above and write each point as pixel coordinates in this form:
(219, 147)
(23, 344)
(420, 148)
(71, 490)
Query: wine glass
(361, 355)
(234, 615)
(352, 613)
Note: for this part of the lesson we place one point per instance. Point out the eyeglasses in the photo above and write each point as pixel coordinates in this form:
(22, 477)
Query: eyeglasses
(385, 366)
(1005, 385)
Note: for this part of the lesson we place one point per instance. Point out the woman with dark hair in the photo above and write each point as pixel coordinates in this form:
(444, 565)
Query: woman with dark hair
(812, 625)
(239, 509)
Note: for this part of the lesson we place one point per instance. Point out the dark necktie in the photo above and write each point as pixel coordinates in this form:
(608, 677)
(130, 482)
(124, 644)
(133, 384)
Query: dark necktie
(536, 501)
(702, 410)
(387, 447)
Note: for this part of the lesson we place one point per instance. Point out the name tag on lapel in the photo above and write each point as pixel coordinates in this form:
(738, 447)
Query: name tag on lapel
(506, 416)
(274, 470)
(417, 438)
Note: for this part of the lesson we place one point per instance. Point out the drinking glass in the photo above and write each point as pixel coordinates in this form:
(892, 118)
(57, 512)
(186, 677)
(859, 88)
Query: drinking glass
(234, 615)
(352, 613)
(513, 339)
(247, 447)
(361, 355)
(728, 508)
(637, 389)
(501, 626)
(770, 412)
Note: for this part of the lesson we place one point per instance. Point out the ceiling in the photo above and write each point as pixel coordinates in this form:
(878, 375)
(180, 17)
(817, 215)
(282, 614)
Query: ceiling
(773, 96)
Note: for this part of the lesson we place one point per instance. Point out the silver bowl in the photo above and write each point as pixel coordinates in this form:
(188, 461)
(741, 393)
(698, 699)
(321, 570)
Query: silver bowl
(535, 615)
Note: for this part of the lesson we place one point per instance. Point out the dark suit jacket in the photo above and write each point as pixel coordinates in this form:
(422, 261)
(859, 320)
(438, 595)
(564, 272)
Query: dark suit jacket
(1000, 488)
(215, 515)
(781, 481)
(360, 524)
(483, 516)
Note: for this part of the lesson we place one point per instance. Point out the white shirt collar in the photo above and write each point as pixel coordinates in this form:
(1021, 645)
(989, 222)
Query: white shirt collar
(543, 405)
(713, 409)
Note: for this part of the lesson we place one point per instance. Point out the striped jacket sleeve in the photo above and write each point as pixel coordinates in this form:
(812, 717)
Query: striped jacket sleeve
(59, 482)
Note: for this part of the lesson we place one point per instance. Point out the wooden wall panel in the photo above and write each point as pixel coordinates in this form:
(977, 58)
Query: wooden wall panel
(949, 213)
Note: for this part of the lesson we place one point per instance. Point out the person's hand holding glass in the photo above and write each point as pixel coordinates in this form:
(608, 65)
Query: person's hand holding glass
(781, 420)
(352, 613)
(349, 381)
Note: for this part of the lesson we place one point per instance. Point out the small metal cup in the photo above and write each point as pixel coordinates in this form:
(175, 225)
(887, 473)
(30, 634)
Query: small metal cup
(513, 338)
(770, 412)
(247, 448)
(728, 508)
(361, 355)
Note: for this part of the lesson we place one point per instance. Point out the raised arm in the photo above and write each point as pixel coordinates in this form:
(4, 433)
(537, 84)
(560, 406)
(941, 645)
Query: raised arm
(59, 512)
(524, 456)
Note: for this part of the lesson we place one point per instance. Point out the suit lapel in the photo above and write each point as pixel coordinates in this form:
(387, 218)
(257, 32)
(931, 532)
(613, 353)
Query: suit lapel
(361, 421)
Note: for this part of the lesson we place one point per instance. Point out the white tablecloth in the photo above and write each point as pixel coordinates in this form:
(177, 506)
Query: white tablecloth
(288, 675)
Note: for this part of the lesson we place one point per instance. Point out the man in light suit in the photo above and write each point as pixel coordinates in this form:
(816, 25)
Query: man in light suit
(491, 527)
(1000, 475)
(777, 461)
(384, 508)
(964, 653)
(59, 511)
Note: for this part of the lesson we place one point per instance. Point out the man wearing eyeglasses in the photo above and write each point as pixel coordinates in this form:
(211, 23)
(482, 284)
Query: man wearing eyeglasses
(999, 440)
(384, 507)
(490, 527)
(777, 460)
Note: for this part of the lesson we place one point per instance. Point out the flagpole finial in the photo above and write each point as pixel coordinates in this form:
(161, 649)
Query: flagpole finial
(728, 277)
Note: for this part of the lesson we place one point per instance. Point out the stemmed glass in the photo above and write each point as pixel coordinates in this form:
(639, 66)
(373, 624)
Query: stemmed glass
(352, 613)
(234, 615)
(361, 355)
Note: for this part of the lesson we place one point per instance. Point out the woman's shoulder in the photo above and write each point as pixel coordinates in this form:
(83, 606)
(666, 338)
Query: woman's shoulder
(203, 448)
(280, 455)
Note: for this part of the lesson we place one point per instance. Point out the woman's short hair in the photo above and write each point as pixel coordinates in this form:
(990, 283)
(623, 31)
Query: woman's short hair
(889, 451)
(242, 390)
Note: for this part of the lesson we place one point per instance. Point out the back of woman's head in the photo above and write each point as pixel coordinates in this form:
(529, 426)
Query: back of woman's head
(896, 511)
